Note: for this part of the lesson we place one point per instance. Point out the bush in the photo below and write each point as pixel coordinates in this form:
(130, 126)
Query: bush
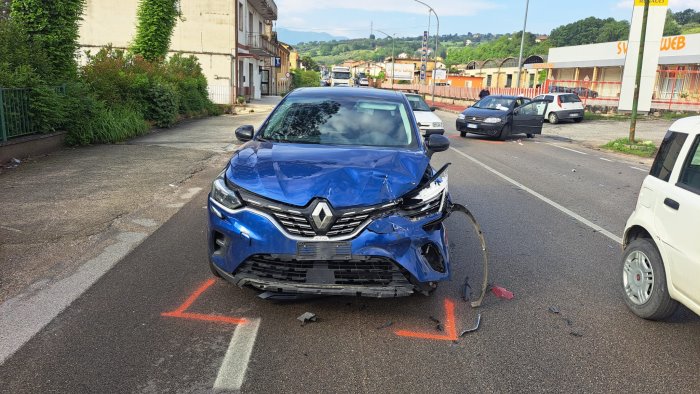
(302, 78)
(162, 104)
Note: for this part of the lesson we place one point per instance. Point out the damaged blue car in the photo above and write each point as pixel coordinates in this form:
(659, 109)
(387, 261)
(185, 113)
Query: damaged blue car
(333, 195)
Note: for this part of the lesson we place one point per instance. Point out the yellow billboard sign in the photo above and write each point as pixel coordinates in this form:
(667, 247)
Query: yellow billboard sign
(640, 3)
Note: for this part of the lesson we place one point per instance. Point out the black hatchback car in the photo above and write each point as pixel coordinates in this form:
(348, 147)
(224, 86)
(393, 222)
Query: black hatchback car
(501, 116)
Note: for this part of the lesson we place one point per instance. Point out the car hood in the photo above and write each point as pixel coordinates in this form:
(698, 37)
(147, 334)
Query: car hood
(423, 117)
(295, 174)
(484, 113)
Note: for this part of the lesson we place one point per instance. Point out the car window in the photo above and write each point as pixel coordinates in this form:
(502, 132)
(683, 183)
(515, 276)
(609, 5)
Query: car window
(539, 98)
(346, 121)
(668, 154)
(494, 102)
(536, 108)
(569, 98)
(550, 99)
(690, 175)
(417, 103)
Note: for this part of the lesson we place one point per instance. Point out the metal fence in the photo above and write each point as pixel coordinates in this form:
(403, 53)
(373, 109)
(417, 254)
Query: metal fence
(14, 113)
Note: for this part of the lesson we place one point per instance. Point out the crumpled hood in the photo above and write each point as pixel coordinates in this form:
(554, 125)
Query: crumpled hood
(345, 176)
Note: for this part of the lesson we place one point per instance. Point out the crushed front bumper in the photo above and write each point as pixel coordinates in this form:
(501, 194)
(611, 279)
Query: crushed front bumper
(392, 256)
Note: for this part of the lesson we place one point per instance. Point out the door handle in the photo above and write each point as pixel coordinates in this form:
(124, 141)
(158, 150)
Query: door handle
(673, 204)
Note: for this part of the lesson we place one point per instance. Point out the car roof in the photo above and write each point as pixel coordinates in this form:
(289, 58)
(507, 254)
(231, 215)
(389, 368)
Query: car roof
(506, 96)
(689, 125)
(346, 92)
(558, 94)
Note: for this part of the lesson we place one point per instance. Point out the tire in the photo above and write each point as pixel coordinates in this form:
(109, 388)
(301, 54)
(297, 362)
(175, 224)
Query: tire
(213, 270)
(578, 120)
(462, 134)
(505, 132)
(553, 118)
(644, 284)
(530, 135)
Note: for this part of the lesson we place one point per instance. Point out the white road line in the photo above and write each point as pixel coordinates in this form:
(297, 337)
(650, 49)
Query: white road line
(608, 160)
(569, 149)
(232, 371)
(25, 315)
(638, 169)
(545, 199)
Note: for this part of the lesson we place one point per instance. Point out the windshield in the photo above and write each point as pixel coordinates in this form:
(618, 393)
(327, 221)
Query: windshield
(492, 102)
(569, 98)
(341, 75)
(417, 103)
(340, 121)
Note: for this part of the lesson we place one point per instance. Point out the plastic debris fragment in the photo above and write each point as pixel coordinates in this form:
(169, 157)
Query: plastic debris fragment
(473, 329)
(307, 317)
(502, 292)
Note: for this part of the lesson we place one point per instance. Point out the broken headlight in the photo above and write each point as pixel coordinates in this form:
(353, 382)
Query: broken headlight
(222, 195)
(427, 200)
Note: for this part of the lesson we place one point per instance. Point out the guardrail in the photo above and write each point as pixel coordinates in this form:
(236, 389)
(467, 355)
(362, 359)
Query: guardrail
(14, 113)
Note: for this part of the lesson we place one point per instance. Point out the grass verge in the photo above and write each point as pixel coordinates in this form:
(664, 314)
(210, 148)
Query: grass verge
(639, 148)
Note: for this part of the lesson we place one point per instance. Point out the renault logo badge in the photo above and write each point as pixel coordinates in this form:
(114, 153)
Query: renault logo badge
(322, 216)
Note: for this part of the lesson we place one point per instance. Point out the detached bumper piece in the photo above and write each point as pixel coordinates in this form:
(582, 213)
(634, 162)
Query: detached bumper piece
(358, 276)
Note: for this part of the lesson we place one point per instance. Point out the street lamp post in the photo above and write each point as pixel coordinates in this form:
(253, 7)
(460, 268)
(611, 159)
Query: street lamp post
(522, 43)
(437, 35)
(393, 60)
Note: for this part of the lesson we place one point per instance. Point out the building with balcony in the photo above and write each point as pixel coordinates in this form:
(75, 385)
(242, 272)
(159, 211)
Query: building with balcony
(233, 40)
(257, 49)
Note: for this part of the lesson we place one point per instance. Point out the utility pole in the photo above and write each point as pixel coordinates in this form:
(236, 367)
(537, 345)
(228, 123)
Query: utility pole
(437, 34)
(522, 43)
(638, 76)
(393, 60)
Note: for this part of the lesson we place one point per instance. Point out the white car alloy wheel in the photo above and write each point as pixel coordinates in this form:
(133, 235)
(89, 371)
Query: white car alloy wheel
(638, 277)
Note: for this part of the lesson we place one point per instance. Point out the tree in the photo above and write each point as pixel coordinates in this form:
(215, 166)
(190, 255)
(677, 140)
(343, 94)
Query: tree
(156, 21)
(53, 25)
(671, 27)
(685, 17)
(589, 31)
(309, 63)
(5, 9)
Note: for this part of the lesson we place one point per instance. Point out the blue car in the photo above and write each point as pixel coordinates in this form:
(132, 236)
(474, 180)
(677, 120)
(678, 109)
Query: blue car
(333, 195)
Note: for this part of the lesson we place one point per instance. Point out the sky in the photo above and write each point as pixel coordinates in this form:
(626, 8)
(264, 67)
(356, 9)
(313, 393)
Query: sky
(352, 18)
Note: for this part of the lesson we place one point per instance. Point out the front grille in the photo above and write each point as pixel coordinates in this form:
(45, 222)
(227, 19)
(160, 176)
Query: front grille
(359, 271)
(296, 220)
(295, 223)
(477, 119)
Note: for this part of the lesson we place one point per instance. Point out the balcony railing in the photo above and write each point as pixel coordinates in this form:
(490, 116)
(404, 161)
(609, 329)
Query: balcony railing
(261, 45)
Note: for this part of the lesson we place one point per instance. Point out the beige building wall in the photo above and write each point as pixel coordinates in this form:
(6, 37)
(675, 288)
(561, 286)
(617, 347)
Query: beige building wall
(206, 29)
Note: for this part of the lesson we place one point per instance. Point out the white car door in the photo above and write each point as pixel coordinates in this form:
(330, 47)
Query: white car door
(678, 223)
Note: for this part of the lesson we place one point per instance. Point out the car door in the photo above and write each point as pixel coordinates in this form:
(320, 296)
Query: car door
(678, 223)
(528, 118)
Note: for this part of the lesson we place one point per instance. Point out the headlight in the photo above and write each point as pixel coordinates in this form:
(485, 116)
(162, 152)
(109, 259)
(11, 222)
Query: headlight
(426, 201)
(224, 196)
(460, 116)
(437, 124)
(493, 120)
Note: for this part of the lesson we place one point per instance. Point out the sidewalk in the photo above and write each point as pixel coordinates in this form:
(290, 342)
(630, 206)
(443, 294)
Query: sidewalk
(264, 104)
(61, 210)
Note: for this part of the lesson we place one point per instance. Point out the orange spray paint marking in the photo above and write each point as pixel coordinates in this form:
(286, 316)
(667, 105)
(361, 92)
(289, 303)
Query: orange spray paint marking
(181, 313)
(450, 328)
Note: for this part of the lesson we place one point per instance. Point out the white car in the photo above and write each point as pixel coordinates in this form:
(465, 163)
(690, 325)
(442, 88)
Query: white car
(428, 122)
(562, 106)
(661, 259)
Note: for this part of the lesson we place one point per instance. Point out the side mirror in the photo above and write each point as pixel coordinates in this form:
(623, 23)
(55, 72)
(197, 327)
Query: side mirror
(433, 108)
(245, 133)
(437, 143)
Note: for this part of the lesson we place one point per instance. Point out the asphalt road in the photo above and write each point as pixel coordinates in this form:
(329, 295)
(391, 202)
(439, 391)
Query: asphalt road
(532, 198)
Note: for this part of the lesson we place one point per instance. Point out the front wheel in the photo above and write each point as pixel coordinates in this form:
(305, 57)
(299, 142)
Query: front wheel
(462, 134)
(644, 281)
(553, 118)
(578, 120)
(530, 136)
(505, 132)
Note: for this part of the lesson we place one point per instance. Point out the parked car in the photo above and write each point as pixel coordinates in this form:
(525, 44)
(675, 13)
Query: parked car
(428, 122)
(661, 259)
(361, 79)
(562, 106)
(335, 195)
(559, 89)
(501, 116)
(585, 92)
